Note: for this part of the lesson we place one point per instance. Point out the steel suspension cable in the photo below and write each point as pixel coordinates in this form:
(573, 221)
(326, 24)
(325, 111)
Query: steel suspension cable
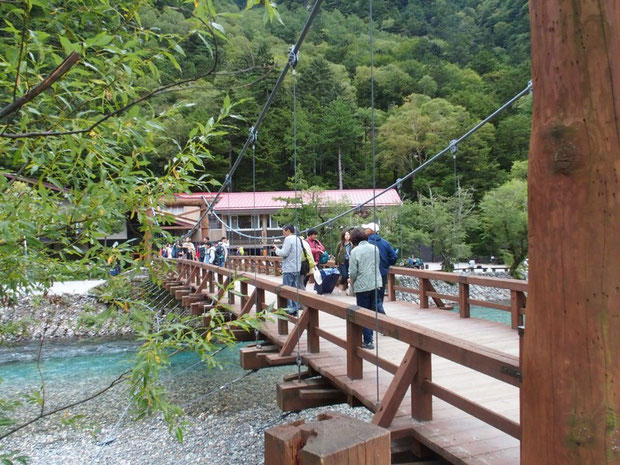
(298, 243)
(412, 173)
(374, 187)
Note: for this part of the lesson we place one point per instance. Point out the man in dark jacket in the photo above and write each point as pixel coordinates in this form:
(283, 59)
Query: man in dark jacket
(387, 254)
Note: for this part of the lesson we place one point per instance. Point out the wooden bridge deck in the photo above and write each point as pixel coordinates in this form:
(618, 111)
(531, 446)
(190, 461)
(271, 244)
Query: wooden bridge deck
(453, 434)
(448, 355)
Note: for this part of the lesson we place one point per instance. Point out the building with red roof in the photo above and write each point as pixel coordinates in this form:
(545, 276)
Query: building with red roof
(253, 213)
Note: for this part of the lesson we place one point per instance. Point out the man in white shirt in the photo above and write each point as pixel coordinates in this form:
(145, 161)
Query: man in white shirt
(291, 252)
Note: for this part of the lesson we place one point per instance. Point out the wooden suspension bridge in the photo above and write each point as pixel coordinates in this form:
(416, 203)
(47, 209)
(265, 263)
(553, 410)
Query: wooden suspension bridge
(472, 397)
(463, 373)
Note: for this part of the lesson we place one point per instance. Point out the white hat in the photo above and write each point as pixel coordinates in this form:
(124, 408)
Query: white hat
(372, 226)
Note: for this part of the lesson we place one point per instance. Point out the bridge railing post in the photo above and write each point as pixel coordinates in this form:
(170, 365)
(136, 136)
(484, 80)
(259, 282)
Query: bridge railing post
(244, 290)
(390, 286)
(282, 323)
(424, 288)
(421, 398)
(260, 299)
(211, 282)
(517, 302)
(464, 310)
(355, 369)
(313, 335)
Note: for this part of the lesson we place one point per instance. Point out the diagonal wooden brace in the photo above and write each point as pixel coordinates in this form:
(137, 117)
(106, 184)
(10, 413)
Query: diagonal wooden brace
(300, 327)
(248, 304)
(395, 394)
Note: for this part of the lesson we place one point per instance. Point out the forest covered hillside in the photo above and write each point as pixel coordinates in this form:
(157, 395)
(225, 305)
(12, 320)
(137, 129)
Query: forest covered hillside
(440, 67)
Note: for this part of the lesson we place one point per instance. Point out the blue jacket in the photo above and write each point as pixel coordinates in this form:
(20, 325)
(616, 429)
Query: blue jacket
(387, 253)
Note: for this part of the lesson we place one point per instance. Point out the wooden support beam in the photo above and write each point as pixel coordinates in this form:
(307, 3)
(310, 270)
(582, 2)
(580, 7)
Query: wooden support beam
(312, 333)
(422, 399)
(249, 356)
(249, 303)
(283, 443)
(517, 304)
(464, 310)
(223, 283)
(307, 393)
(309, 373)
(354, 340)
(300, 327)
(424, 288)
(395, 394)
(282, 322)
(242, 335)
(391, 292)
(332, 440)
(179, 293)
(198, 308)
(276, 359)
(430, 288)
(571, 366)
(188, 300)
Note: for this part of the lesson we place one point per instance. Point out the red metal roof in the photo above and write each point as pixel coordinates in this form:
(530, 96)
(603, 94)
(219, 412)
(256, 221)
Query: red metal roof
(270, 201)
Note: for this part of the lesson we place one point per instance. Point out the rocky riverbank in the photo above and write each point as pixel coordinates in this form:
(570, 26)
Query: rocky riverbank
(488, 294)
(223, 427)
(58, 316)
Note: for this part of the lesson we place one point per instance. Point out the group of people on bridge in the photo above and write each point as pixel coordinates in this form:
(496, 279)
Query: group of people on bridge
(363, 259)
(211, 252)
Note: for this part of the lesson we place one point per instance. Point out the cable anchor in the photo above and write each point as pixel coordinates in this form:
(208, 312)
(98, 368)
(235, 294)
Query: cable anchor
(293, 57)
(530, 86)
(453, 147)
(253, 135)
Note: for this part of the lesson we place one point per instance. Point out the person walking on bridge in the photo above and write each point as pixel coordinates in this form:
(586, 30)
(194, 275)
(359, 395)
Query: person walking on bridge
(388, 257)
(365, 276)
(291, 253)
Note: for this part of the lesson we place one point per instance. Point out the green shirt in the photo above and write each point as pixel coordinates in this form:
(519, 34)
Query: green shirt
(364, 268)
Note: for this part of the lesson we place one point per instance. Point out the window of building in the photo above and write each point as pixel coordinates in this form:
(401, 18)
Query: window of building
(214, 223)
(273, 223)
(174, 210)
(244, 222)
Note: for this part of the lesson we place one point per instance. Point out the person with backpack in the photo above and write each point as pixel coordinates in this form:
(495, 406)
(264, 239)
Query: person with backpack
(219, 256)
(365, 278)
(388, 257)
(320, 255)
(209, 257)
(292, 253)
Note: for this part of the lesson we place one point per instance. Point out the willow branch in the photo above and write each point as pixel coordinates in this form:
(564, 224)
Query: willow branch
(124, 108)
(19, 60)
(43, 85)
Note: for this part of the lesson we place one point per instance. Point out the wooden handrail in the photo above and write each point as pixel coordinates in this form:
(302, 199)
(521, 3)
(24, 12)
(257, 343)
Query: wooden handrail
(423, 341)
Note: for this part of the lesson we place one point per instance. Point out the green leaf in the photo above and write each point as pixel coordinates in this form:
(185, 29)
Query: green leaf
(67, 46)
(99, 40)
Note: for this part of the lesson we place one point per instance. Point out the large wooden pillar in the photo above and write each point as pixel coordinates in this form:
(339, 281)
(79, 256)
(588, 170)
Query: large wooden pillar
(571, 390)
(204, 224)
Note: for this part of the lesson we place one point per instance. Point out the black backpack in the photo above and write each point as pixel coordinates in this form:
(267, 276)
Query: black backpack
(219, 252)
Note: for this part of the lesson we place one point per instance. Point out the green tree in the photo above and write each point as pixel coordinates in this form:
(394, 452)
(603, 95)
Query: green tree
(340, 136)
(84, 110)
(447, 220)
(503, 219)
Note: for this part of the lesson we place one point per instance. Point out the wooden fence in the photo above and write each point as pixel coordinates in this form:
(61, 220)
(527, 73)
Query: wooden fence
(414, 372)
(425, 288)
